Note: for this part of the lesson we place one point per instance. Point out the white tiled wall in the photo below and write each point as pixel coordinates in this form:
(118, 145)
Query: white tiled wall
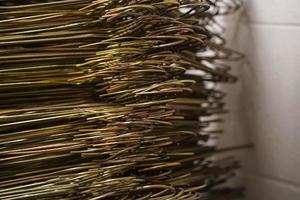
(266, 101)
(274, 11)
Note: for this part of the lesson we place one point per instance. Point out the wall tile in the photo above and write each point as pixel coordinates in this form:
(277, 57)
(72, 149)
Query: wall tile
(266, 101)
(273, 11)
(260, 188)
(271, 100)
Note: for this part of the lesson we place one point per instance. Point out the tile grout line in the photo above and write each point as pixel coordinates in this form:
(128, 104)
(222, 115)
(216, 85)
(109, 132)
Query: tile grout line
(274, 24)
(272, 179)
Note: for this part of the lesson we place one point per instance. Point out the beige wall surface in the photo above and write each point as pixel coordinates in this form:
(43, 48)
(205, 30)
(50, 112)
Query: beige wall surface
(265, 104)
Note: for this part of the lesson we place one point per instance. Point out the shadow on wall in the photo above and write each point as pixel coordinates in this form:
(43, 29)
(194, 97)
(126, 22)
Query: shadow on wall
(265, 102)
